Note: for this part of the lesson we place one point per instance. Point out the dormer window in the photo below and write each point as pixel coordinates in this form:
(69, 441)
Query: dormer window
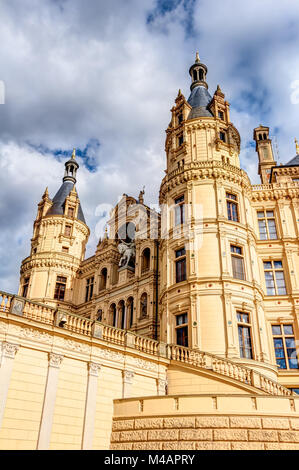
(71, 212)
(221, 115)
(180, 118)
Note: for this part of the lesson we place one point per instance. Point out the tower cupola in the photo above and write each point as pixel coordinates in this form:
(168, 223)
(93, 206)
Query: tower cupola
(71, 167)
(198, 73)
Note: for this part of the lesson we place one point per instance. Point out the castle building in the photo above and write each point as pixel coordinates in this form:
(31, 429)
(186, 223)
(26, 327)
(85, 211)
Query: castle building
(197, 304)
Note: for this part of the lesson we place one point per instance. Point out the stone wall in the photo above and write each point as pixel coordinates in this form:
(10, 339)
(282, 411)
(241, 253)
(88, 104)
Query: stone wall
(262, 429)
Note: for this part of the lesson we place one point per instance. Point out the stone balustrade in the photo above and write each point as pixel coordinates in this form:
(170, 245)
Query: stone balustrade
(16, 305)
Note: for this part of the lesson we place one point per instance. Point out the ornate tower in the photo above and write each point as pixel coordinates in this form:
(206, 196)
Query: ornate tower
(58, 244)
(265, 152)
(210, 281)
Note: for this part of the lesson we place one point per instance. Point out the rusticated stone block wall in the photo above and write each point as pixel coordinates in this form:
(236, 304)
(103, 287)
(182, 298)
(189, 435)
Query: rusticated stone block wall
(206, 433)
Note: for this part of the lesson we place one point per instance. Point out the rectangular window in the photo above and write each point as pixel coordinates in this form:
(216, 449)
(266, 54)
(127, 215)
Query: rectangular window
(60, 288)
(244, 331)
(296, 390)
(71, 212)
(274, 277)
(180, 118)
(222, 136)
(25, 287)
(267, 226)
(182, 330)
(65, 249)
(237, 262)
(67, 230)
(232, 207)
(180, 139)
(180, 265)
(221, 115)
(179, 211)
(89, 289)
(285, 346)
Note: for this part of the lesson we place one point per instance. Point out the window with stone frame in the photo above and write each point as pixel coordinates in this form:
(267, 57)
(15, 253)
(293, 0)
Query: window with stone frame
(286, 353)
(68, 230)
(244, 333)
(89, 288)
(179, 210)
(180, 265)
(267, 225)
(237, 262)
(274, 278)
(181, 330)
(232, 207)
(25, 287)
(60, 288)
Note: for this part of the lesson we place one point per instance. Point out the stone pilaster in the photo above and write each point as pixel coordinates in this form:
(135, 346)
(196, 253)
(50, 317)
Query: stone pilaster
(45, 430)
(90, 405)
(9, 351)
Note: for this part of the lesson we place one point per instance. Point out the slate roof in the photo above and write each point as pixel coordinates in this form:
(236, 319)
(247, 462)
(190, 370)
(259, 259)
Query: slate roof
(293, 162)
(199, 99)
(59, 201)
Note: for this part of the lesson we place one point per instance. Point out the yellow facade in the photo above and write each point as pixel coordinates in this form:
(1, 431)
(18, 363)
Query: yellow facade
(189, 315)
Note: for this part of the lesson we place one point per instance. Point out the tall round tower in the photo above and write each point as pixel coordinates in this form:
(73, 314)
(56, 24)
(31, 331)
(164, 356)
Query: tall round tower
(58, 245)
(211, 297)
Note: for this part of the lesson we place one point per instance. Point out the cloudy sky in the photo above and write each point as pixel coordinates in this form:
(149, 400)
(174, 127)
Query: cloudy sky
(102, 76)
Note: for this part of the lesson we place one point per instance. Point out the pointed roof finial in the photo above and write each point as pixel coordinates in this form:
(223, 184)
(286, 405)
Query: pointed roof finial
(197, 59)
(297, 146)
(74, 154)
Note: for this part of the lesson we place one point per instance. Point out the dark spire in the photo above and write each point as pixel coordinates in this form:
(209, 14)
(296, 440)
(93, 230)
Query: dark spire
(198, 72)
(200, 98)
(71, 167)
(69, 181)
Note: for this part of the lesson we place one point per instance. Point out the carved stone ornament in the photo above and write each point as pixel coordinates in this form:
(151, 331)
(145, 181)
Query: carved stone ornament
(94, 368)
(55, 360)
(128, 376)
(9, 350)
(17, 306)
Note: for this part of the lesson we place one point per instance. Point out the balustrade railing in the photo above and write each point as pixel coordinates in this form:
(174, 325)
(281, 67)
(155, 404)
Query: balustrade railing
(49, 315)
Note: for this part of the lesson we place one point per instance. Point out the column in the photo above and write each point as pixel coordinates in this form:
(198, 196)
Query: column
(90, 405)
(128, 377)
(8, 354)
(45, 430)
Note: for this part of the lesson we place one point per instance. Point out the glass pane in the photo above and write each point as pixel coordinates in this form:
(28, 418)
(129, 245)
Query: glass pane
(296, 390)
(288, 329)
(263, 230)
(281, 363)
(272, 229)
(278, 343)
(276, 330)
(267, 265)
(261, 215)
(278, 264)
(270, 214)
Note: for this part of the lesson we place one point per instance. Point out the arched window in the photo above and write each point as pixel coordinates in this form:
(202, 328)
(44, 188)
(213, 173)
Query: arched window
(113, 314)
(195, 75)
(265, 136)
(143, 305)
(200, 72)
(103, 279)
(145, 260)
(130, 310)
(260, 137)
